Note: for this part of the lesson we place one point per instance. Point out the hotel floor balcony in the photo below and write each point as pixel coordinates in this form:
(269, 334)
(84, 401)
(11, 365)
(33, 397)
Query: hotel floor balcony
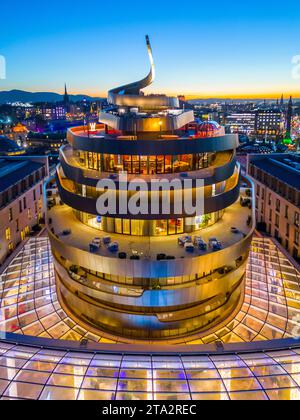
(147, 298)
(221, 168)
(148, 247)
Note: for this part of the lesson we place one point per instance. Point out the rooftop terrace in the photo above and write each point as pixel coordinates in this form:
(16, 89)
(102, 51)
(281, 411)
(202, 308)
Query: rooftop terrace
(148, 247)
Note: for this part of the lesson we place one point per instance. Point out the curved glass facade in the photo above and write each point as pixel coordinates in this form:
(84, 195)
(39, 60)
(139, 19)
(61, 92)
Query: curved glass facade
(141, 227)
(144, 165)
(32, 372)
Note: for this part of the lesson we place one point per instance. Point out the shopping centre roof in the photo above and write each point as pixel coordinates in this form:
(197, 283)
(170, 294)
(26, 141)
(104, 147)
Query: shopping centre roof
(39, 373)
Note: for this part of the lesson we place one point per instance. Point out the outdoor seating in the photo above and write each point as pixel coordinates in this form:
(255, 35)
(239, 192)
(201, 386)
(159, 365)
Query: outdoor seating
(183, 239)
(161, 256)
(134, 257)
(215, 244)
(97, 242)
(200, 243)
(93, 248)
(189, 246)
(106, 240)
(113, 247)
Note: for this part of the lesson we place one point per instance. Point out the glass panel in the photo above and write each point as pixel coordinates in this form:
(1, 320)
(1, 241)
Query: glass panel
(161, 227)
(126, 226)
(118, 225)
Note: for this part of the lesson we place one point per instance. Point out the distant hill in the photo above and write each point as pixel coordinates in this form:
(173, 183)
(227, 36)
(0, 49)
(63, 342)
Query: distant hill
(23, 96)
(230, 100)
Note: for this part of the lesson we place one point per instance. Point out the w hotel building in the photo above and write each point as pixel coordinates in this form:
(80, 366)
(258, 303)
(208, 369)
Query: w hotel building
(162, 275)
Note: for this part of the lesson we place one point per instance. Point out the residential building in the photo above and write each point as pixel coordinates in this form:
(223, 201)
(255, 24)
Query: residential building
(277, 186)
(21, 199)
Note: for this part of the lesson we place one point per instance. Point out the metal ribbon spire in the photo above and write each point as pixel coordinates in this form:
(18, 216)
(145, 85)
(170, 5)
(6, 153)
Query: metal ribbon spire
(135, 87)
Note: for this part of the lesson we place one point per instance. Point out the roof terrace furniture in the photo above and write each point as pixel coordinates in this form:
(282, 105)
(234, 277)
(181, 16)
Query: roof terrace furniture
(183, 239)
(93, 248)
(200, 243)
(106, 240)
(161, 256)
(122, 255)
(189, 246)
(113, 247)
(97, 241)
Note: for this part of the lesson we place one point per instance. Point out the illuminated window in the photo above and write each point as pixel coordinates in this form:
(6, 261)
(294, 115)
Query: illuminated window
(7, 234)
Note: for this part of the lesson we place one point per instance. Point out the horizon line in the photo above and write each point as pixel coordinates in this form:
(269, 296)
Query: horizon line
(189, 96)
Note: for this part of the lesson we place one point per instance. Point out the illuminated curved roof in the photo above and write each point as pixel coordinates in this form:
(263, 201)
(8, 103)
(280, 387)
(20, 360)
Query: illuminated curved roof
(67, 371)
(9, 147)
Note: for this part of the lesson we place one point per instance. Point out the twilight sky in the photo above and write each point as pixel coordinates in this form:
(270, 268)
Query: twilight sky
(218, 48)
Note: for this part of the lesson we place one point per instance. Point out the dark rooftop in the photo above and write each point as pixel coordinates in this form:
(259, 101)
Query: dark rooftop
(13, 171)
(8, 146)
(286, 169)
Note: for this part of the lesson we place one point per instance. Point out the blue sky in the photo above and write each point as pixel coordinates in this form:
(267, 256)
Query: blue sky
(200, 48)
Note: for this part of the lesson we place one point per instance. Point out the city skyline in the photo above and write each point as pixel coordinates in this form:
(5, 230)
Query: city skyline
(233, 52)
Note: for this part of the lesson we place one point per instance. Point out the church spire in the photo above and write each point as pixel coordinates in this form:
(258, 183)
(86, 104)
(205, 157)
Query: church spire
(66, 99)
(281, 101)
(66, 96)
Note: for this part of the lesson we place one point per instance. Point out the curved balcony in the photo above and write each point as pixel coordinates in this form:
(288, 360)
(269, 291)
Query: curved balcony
(80, 139)
(148, 325)
(75, 247)
(159, 300)
(211, 203)
(223, 168)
